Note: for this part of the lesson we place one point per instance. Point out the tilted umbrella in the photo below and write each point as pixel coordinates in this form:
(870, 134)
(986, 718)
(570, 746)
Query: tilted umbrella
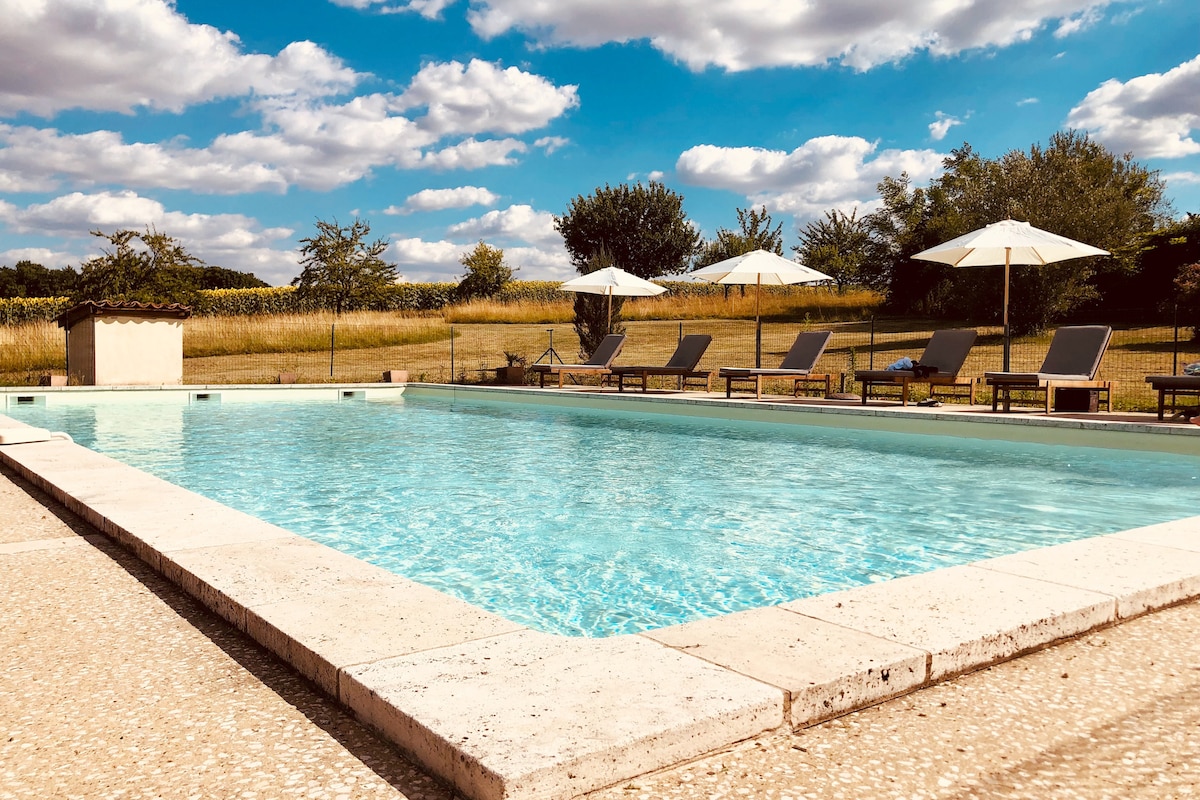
(1008, 242)
(762, 268)
(610, 281)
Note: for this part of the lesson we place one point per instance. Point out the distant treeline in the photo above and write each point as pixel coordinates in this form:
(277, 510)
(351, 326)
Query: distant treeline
(401, 297)
(30, 279)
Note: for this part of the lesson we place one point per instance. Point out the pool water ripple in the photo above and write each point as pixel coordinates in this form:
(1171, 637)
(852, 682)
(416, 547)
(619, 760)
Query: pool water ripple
(596, 523)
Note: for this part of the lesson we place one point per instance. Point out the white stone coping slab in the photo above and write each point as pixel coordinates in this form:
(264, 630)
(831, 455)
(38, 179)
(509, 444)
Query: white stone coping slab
(500, 711)
(537, 715)
(964, 617)
(824, 669)
(1141, 575)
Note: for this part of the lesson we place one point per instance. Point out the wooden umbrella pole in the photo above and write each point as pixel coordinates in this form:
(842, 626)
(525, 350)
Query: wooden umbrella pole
(1007, 256)
(758, 323)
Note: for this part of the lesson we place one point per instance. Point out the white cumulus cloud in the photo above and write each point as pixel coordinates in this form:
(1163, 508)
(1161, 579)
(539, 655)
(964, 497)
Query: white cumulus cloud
(119, 55)
(424, 260)
(441, 199)
(234, 241)
(519, 222)
(42, 159)
(823, 173)
(770, 33)
(551, 143)
(430, 9)
(481, 96)
(1178, 178)
(1151, 116)
(942, 125)
(302, 141)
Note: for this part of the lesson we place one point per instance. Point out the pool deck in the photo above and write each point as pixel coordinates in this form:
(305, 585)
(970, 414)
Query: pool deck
(500, 711)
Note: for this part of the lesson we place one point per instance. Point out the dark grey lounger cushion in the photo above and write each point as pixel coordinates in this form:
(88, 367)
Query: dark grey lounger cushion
(687, 355)
(1074, 355)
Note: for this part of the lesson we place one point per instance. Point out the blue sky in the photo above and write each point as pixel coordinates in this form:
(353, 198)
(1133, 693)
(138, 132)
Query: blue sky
(235, 126)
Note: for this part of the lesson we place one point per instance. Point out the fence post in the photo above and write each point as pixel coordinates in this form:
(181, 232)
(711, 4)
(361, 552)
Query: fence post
(871, 361)
(451, 354)
(332, 328)
(1175, 347)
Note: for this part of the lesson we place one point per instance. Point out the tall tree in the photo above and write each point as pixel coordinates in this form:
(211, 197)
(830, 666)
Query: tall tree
(341, 269)
(839, 245)
(486, 272)
(643, 229)
(592, 311)
(149, 267)
(755, 232)
(1073, 187)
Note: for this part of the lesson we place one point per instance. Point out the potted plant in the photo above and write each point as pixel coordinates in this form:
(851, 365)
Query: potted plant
(514, 373)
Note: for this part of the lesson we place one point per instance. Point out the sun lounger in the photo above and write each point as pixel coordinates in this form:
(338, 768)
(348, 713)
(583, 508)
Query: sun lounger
(682, 364)
(599, 364)
(943, 359)
(797, 365)
(1174, 386)
(1071, 362)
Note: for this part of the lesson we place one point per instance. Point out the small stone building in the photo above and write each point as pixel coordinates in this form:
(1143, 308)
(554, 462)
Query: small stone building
(124, 343)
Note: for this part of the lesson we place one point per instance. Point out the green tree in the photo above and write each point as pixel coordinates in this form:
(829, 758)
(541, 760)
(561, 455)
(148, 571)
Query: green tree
(1188, 286)
(486, 272)
(839, 246)
(592, 322)
(148, 267)
(341, 269)
(1073, 187)
(29, 279)
(222, 278)
(643, 229)
(754, 233)
(1151, 288)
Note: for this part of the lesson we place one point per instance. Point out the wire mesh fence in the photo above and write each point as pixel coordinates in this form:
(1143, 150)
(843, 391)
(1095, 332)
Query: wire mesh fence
(317, 349)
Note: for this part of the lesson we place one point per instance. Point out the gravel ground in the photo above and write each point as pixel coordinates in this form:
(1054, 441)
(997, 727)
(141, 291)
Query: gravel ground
(115, 684)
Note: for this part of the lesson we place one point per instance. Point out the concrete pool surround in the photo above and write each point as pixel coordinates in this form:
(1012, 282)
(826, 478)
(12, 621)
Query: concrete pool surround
(501, 711)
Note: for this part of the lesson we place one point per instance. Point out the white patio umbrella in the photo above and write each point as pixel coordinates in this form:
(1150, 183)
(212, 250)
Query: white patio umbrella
(610, 281)
(762, 268)
(1008, 242)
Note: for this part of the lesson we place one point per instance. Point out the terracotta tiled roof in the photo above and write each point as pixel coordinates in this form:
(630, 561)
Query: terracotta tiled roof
(126, 308)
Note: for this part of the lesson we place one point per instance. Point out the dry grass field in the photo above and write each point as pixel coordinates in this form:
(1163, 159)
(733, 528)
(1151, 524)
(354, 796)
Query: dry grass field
(466, 343)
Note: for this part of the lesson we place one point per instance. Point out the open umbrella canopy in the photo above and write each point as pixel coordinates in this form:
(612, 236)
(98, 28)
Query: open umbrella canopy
(762, 268)
(1008, 242)
(612, 281)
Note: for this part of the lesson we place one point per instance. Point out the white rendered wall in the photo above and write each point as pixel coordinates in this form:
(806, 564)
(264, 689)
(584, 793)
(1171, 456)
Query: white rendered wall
(129, 351)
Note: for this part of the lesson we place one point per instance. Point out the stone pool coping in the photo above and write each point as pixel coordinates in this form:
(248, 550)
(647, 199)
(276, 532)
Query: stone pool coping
(501, 711)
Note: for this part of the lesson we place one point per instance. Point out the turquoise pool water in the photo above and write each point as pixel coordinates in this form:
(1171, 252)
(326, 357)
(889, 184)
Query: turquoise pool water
(595, 523)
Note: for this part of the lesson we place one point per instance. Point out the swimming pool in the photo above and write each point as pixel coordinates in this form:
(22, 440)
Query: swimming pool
(595, 522)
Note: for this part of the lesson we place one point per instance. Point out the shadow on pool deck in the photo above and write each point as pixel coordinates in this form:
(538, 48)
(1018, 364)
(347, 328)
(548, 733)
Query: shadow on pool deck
(100, 616)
